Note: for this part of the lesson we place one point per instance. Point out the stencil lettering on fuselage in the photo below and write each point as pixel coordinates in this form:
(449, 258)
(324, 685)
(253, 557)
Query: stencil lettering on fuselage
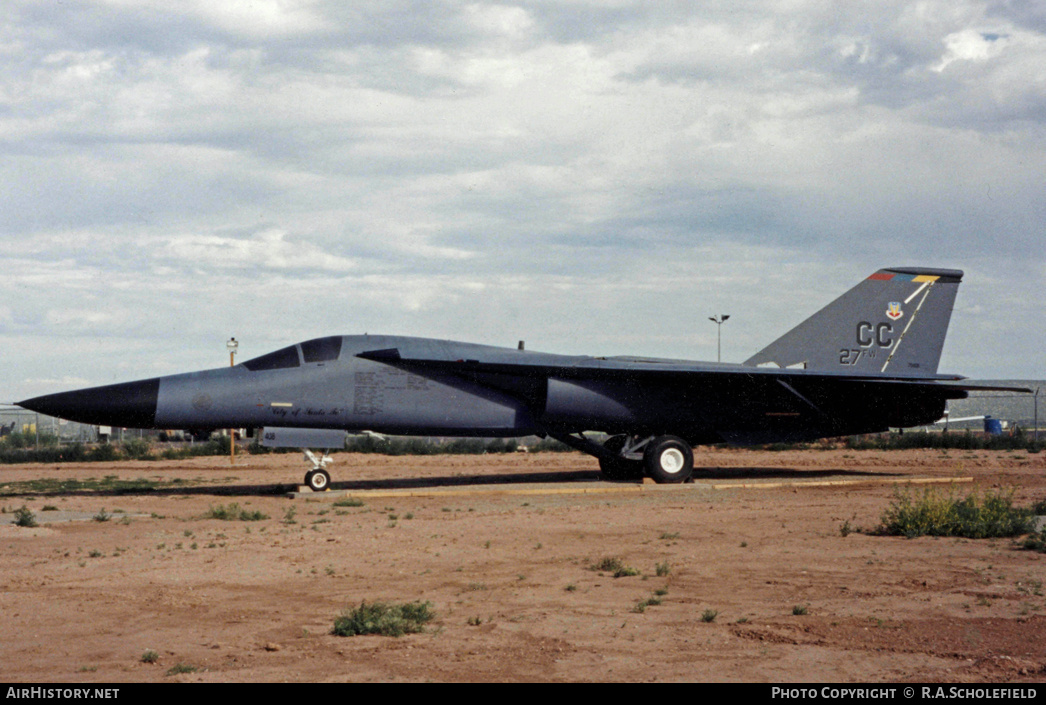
(369, 398)
(370, 389)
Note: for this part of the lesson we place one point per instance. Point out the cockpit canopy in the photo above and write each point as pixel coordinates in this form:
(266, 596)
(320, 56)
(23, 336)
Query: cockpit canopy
(315, 350)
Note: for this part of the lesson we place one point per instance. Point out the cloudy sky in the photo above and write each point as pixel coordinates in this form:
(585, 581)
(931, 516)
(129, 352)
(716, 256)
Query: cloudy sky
(593, 177)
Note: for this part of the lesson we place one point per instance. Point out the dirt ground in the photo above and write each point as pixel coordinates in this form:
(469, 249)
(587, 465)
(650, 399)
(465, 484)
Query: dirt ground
(769, 572)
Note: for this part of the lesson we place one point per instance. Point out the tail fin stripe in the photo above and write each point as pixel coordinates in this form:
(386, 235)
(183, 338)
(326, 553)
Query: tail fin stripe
(911, 320)
(906, 277)
(915, 293)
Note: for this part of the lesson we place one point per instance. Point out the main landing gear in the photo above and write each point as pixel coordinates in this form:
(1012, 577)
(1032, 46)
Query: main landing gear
(668, 459)
(664, 459)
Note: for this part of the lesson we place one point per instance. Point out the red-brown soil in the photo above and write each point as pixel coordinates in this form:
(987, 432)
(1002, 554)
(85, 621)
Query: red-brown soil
(503, 548)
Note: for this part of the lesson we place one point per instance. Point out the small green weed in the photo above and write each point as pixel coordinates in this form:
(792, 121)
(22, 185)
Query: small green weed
(1036, 541)
(234, 513)
(973, 517)
(384, 619)
(709, 615)
(614, 566)
(181, 668)
(25, 517)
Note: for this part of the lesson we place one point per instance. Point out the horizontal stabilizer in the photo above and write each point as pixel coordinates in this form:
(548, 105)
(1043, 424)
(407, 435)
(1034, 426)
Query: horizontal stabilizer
(947, 420)
(979, 387)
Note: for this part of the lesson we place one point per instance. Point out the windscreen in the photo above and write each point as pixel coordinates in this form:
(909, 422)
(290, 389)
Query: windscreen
(321, 349)
(283, 358)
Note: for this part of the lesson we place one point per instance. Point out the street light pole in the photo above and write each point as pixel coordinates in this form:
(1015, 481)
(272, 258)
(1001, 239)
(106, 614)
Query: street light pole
(1036, 397)
(232, 345)
(719, 320)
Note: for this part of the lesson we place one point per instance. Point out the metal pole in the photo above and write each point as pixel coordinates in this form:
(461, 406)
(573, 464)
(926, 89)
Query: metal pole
(232, 345)
(719, 319)
(232, 431)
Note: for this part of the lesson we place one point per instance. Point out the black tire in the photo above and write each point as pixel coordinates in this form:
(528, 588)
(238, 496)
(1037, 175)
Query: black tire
(668, 459)
(619, 468)
(318, 480)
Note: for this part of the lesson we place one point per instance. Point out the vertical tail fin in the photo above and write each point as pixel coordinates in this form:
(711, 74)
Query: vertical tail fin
(894, 322)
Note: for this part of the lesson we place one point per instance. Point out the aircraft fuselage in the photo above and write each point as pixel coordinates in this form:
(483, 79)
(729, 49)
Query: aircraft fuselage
(444, 388)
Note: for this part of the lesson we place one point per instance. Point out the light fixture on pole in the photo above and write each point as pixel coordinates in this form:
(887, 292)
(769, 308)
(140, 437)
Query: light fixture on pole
(719, 320)
(231, 346)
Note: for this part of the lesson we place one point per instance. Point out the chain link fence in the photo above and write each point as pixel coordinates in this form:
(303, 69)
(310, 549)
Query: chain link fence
(34, 428)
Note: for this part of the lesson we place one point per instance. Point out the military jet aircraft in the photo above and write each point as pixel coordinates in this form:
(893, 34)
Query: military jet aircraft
(864, 363)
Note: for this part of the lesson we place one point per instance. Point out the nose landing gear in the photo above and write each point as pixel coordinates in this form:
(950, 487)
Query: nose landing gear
(318, 479)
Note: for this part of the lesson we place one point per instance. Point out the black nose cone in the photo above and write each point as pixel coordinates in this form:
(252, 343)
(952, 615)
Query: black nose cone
(127, 405)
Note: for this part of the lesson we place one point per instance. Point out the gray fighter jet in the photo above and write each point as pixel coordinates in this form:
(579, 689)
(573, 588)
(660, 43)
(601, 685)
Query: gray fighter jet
(864, 363)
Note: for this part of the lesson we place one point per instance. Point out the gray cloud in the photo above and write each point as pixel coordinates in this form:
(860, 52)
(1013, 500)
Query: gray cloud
(592, 176)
